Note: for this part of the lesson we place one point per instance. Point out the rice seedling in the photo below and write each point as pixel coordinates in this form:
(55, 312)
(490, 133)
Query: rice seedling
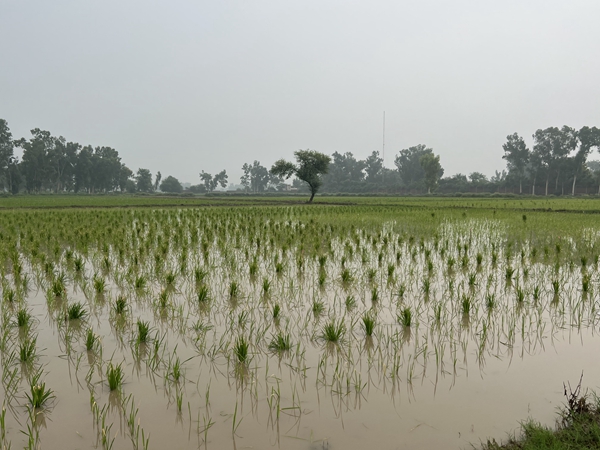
(520, 295)
(346, 276)
(170, 279)
(405, 317)
(143, 329)
(99, 284)
(266, 286)
(368, 322)
(114, 376)
(322, 278)
(200, 275)
(163, 299)
(466, 304)
(333, 331)
(241, 350)
(120, 305)
(276, 312)
(91, 340)
(9, 296)
(76, 311)
(234, 289)
(585, 283)
(318, 307)
(280, 343)
(27, 350)
(556, 287)
(58, 287)
(350, 302)
(23, 318)
(490, 301)
(401, 291)
(39, 395)
(374, 295)
(79, 264)
(202, 295)
(508, 274)
(140, 283)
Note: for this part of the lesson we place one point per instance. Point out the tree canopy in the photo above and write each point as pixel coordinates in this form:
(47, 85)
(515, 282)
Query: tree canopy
(171, 185)
(309, 167)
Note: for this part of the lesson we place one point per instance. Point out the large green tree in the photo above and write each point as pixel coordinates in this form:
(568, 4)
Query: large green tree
(211, 182)
(409, 166)
(310, 166)
(144, 180)
(171, 185)
(517, 157)
(6, 153)
(256, 177)
(433, 170)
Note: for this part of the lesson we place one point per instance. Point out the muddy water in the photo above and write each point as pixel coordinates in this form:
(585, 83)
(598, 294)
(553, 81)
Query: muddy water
(445, 383)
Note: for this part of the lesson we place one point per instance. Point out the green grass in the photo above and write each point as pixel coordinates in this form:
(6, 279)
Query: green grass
(576, 430)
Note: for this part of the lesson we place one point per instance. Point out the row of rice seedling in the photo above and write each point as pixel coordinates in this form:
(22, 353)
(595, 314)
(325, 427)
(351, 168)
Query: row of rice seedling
(226, 316)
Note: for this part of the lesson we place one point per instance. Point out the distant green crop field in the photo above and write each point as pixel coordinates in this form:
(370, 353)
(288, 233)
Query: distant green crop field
(587, 205)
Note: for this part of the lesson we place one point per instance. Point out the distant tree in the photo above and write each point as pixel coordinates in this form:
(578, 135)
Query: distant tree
(478, 180)
(373, 168)
(35, 166)
(517, 157)
(125, 177)
(344, 173)
(6, 153)
(171, 184)
(551, 149)
(589, 138)
(456, 183)
(157, 181)
(130, 186)
(433, 170)
(309, 167)
(409, 166)
(211, 183)
(144, 180)
(256, 177)
(197, 189)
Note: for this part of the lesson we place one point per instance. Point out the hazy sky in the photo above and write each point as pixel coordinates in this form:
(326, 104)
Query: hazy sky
(185, 86)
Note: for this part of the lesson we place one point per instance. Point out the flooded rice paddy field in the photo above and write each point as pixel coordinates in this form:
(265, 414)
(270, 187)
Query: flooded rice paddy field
(291, 327)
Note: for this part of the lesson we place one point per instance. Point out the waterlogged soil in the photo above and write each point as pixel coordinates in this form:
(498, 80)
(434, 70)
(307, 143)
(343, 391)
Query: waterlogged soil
(489, 343)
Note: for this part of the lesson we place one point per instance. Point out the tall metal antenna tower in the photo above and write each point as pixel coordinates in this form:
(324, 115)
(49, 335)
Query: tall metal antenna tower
(383, 154)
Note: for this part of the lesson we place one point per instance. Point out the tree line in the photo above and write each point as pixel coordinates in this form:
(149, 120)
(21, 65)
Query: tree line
(558, 163)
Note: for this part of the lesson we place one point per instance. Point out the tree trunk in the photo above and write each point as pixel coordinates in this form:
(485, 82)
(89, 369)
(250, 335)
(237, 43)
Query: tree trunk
(312, 194)
(573, 190)
(547, 180)
(533, 187)
(520, 186)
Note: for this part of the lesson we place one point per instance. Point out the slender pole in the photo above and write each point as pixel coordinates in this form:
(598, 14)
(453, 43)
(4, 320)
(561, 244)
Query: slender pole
(383, 154)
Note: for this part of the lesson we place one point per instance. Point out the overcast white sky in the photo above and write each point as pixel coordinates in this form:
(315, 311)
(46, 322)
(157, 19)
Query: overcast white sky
(184, 86)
